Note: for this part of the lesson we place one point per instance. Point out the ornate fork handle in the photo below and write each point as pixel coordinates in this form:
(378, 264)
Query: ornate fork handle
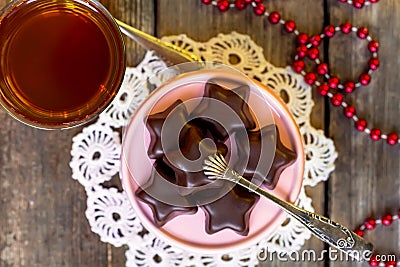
(333, 233)
(325, 229)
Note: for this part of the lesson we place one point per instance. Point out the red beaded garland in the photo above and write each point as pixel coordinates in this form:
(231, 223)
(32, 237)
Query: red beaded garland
(359, 232)
(310, 78)
(392, 139)
(323, 89)
(298, 66)
(346, 27)
(373, 46)
(302, 38)
(387, 219)
(308, 47)
(302, 51)
(240, 4)
(259, 9)
(373, 63)
(322, 68)
(333, 82)
(223, 5)
(290, 26)
(315, 40)
(362, 33)
(349, 87)
(370, 224)
(361, 124)
(349, 111)
(365, 78)
(390, 264)
(337, 99)
(375, 134)
(329, 31)
(274, 17)
(373, 261)
(358, 3)
(313, 53)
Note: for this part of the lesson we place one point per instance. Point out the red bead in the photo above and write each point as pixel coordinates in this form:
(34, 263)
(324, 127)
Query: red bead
(349, 87)
(248, 1)
(310, 78)
(343, 1)
(373, 63)
(223, 5)
(207, 1)
(315, 40)
(390, 264)
(290, 26)
(362, 33)
(373, 261)
(333, 82)
(337, 99)
(370, 224)
(274, 17)
(392, 139)
(373, 1)
(298, 66)
(329, 31)
(346, 27)
(358, 3)
(240, 4)
(359, 232)
(302, 51)
(375, 134)
(323, 89)
(257, 1)
(387, 219)
(365, 79)
(259, 9)
(322, 68)
(349, 111)
(361, 125)
(313, 53)
(302, 38)
(373, 46)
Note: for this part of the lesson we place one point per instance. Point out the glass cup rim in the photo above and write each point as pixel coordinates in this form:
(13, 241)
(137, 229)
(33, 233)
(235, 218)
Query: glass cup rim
(115, 36)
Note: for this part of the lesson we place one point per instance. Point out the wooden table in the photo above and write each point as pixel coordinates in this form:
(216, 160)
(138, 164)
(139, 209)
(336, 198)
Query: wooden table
(42, 221)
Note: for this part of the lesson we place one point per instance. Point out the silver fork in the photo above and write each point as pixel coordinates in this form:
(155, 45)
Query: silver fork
(333, 233)
(167, 51)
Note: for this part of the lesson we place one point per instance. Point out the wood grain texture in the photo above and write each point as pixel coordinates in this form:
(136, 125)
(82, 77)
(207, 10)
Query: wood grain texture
(42, 210)
(42, 221)
(366, 181)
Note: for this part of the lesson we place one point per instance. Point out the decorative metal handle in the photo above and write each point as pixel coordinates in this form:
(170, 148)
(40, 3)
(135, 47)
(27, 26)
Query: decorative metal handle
(169, 52)
(329, 231)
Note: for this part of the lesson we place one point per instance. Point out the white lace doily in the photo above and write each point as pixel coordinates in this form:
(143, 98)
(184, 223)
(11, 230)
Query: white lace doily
(96, 152)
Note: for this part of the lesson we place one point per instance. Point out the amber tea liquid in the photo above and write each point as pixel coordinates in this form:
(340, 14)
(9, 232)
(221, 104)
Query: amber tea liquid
(61, 61)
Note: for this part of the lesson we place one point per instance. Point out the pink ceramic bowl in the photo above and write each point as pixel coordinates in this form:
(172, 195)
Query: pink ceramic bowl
(188, 231)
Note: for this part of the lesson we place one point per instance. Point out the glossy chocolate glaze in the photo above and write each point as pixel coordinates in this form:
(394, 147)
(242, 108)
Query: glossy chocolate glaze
(162, 212)
(258, 153)
(201, 136)
(236, 99)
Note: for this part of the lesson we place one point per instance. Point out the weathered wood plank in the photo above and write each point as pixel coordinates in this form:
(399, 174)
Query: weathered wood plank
(42, 220)
(366, 181)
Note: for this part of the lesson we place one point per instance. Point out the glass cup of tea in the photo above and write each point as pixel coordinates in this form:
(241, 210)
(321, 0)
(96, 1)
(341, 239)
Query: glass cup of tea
(61, 62)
